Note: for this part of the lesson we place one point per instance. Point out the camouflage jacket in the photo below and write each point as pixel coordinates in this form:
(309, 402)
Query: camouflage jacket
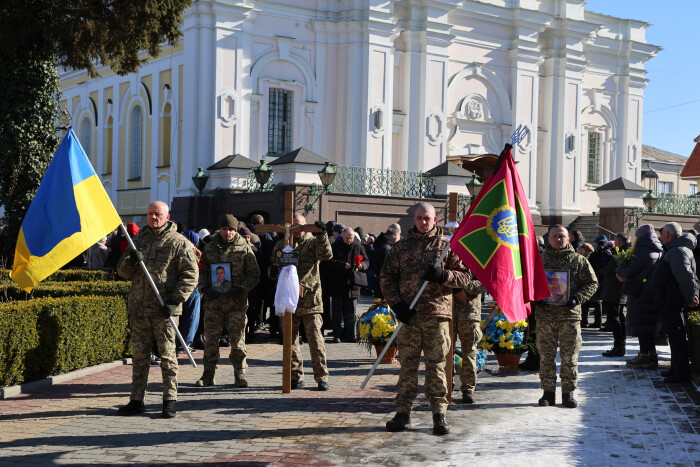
(311, 250)
(402, 274)
(170, 261)
(471, 309)
(245, 272)
(582, 282)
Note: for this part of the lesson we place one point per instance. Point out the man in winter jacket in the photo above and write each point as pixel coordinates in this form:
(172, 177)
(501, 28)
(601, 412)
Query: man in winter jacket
(675, 286)
(613, 298)
(425, 327)
(227, 305)
(560, 325)
(169, 259)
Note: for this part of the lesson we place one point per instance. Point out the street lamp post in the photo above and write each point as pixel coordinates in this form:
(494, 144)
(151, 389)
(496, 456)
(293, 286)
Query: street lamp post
(327, 175)
(200, 180)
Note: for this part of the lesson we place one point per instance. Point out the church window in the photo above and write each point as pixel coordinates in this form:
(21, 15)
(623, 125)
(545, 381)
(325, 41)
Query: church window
(135, 143)
(594, 156)
(279, 134)
(86, 137)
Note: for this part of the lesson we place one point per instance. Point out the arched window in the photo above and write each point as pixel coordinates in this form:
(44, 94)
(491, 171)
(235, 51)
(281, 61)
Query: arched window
(86, 137)
(135, 143)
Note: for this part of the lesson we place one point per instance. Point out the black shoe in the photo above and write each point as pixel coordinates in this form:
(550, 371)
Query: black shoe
(224, 342)
(398, 423)
(605, 329)
(468, 397)
(336, 340)
(132, 408)
(323, 386)
(615, 352)
(297, 383)
(547, 399)
(567, 400)
(531, 363)
(676, 379)
(169, 410)
(440, 426)
(666, 373)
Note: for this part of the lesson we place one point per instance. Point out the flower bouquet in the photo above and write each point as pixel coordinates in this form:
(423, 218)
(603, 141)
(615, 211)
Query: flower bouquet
(480, 360)
(623, 257)
(506, 340)
(375, 327)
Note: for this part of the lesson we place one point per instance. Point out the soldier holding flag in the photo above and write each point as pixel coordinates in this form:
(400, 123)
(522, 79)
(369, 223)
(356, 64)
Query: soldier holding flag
(426, 327)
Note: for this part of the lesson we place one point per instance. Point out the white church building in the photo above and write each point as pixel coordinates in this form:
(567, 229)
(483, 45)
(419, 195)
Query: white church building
(386, 84)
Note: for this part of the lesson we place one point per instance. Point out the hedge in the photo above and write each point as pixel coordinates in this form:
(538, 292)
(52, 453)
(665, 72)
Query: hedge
(50, 336)
(68, 275)
(9, 290)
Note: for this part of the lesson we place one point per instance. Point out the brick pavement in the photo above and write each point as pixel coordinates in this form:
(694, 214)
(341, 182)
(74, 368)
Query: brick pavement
(625, 417)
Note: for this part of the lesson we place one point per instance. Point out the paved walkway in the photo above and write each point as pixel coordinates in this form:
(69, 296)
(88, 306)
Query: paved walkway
(625, 417)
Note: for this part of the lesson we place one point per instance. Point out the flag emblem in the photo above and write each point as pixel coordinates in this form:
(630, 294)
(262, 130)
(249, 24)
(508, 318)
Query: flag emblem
(496, 241)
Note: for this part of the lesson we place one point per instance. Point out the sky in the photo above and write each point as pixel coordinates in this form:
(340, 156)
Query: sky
(672, 97)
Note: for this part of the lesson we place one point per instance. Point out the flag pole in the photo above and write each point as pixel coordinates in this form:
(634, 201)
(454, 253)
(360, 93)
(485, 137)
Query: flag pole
(160, 299)
(398, 327)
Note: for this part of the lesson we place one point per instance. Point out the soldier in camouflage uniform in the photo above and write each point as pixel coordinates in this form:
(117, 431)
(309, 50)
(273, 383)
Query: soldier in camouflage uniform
(312, 249)
(170, 260)
(426, 327)
(468, 328)
(560, 325)
(229, 306)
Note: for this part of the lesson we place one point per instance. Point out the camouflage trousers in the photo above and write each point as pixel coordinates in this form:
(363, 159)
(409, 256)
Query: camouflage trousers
(431, 336)
(144, 330)
(469, 333)
(567, 336)
(317, 347)
(215, 318)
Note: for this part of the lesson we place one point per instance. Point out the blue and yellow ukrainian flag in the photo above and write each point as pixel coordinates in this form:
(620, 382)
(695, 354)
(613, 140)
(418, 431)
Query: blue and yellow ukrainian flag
(69, 213)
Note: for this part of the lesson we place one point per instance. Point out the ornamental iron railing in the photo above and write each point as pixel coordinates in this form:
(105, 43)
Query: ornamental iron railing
(463, 202)
(367, 181)
(671, 203)
(383, 182)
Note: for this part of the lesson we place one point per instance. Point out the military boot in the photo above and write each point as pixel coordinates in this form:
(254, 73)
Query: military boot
(468, 397)
(547, 399)
(399, 422)
(531, 363)
(240, 379)
(207, 379)
(440, 426)
(169, 410)
(132, 408)
(567, 400)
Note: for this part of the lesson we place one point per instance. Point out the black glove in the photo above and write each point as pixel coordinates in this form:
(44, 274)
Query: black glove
(235, 292)
(135, 256)
(168, 310)
(435, 274)
(321, 226)
(571, 304)
(403, 312)
(209, 293)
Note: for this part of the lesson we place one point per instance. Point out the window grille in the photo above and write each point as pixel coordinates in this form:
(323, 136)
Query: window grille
(594, 158)
(279, 135)
(135, 143)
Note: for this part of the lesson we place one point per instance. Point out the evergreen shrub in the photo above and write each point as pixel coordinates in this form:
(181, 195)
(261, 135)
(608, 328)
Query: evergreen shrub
(49, 336)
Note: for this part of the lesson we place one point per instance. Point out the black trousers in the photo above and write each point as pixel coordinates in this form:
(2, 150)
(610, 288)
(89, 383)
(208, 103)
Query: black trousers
(616, 323)
(680, 358)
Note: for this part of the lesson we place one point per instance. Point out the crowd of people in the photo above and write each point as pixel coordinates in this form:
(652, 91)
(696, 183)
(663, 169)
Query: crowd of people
(643, 286)
(224, 282)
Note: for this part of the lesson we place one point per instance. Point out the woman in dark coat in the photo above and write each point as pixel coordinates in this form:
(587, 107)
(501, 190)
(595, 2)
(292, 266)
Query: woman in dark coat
(641, 310)
(344, 293)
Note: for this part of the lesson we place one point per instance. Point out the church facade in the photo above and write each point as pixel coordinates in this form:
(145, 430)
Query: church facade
(392, 84)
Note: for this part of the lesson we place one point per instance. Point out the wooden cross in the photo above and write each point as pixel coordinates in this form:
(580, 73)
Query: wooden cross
(287, 229)
(451, 217)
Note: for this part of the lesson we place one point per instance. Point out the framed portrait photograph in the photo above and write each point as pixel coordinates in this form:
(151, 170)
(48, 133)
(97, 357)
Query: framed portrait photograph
(221, 277)
(558, 283)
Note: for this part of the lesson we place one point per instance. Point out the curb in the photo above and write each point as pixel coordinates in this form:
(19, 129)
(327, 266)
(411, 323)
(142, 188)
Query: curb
(12, 391)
